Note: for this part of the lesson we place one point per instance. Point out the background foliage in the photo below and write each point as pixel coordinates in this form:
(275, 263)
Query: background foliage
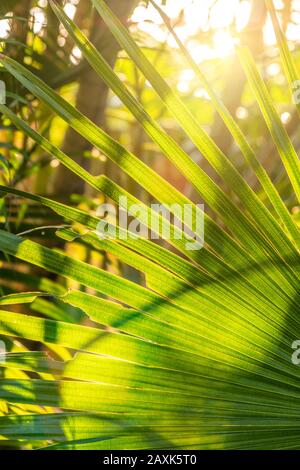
(140, 344)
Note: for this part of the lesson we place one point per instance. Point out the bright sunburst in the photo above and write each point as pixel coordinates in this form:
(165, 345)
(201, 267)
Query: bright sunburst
(199, 15)
(222, 17)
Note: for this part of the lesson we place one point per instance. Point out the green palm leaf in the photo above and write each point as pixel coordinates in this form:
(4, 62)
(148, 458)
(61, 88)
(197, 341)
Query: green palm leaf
(198, 357)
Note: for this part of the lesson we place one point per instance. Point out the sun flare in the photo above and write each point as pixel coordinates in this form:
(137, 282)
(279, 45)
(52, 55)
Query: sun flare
(199, 16)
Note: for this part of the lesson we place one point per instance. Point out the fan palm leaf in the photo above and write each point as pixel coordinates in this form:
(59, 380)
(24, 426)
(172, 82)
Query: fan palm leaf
(200, 356)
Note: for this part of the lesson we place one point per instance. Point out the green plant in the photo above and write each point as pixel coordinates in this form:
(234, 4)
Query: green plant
(201, 356)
